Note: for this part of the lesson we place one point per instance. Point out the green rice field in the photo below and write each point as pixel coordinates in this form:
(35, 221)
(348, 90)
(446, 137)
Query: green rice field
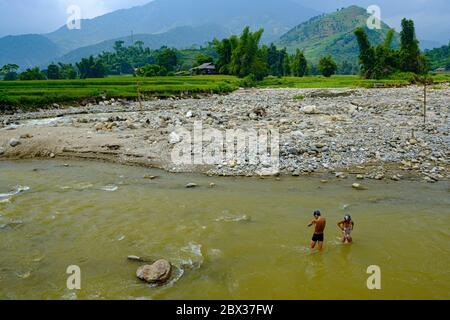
(45, 93)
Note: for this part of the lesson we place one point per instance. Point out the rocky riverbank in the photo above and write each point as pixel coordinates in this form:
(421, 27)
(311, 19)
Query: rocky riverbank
(370, 133)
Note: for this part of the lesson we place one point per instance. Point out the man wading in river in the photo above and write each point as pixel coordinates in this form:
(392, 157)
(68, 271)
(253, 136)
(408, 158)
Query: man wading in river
(320, 224)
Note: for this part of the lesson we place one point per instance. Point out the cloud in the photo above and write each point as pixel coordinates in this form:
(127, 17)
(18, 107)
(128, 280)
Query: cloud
(42, 16)
(93, 8)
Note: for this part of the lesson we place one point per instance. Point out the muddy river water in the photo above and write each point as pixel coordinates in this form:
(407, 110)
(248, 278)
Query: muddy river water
(245, 238)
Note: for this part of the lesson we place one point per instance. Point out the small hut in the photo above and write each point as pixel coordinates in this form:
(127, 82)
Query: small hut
(206, 68)
(440, 70)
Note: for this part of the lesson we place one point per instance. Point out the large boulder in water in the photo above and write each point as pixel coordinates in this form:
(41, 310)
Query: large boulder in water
(159, 272)
(191, 185)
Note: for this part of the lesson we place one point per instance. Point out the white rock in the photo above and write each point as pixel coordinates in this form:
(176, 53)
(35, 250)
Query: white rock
(14, 142)
(135, 258)
(174, 138)
(298, 134)
(357, 186)
(191, 185)
(310, 109)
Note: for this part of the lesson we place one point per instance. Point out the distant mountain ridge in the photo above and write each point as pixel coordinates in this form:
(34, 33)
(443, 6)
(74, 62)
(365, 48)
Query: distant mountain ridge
(333, 34)
(27, 50)
(160, 16)
(183, 37)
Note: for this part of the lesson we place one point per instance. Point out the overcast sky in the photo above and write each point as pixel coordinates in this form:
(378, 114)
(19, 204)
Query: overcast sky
(432, 17)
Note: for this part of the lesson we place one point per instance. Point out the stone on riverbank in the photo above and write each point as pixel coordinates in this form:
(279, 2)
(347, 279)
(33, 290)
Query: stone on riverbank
(26, 136)
(309, 109)
(14, 142)
(174, 138)
(340, 175)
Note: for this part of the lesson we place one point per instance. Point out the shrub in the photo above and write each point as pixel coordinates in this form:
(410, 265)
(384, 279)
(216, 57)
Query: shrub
(327, 66)
(248, 82)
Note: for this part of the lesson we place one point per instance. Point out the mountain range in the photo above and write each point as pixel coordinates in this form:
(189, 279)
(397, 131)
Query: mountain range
(179, 37)
(333, 34)
(160, 16)
(184, 23)
(27, 50)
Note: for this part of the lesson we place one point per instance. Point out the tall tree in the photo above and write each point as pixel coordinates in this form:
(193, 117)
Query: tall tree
(389, 38)
(32, 74)
(67, 71)
(299, 64)
(118, 46)
(274, 61)
(139, 44)
(53, 72)
(411, 59)
(167, 58)
(247, 58)
(91, 68)
(287, 70)
(366, 53)
(201, 59)
(225, 50)
(9, 72)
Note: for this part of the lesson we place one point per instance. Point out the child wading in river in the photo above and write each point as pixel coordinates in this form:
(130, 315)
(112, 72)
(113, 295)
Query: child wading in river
(346, 226)
(320, 223)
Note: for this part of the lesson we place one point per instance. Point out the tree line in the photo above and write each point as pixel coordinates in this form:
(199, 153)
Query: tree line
(238, 55)
(439, 57)
(382, 60)
(242, 56)
(133, 59)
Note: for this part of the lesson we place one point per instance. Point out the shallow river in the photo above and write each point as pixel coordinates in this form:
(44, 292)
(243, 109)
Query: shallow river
(244, 239)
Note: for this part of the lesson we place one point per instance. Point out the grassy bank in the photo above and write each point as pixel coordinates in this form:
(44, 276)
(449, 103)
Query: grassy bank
(36, 94)
(342, 82)
(31, 94)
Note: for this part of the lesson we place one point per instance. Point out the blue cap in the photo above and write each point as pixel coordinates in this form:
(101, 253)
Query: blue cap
(317, 213)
